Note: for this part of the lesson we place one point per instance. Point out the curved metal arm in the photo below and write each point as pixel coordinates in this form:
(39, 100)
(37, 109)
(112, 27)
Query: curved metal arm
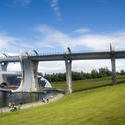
(30, 52)
(4, 54)
(67, 50)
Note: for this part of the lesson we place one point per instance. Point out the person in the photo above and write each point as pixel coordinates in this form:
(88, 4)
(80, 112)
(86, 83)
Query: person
(47, 100)
(13, 104)
(44, 100)
(13, 107)
(9, 105)
(19, 106)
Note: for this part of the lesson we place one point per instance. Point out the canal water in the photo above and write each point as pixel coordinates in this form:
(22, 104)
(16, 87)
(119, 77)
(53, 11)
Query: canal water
(23, 98)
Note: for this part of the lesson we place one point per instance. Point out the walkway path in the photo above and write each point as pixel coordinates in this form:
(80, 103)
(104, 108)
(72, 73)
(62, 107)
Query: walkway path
(34, 104)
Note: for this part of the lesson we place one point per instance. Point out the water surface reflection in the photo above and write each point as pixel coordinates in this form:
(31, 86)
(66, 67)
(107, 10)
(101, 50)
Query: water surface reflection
(18, 98)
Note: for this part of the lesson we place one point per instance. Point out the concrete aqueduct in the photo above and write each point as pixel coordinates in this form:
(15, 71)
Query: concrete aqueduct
(29, 66)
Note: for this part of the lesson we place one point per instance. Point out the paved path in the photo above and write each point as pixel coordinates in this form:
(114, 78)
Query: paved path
(34, 104)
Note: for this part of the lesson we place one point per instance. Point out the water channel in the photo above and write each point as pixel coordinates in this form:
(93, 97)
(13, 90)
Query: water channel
(23, 98)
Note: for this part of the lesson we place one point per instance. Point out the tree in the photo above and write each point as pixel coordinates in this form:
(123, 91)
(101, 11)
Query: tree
(94, 73)
(122, 72)
(39, 73)
(104, 72)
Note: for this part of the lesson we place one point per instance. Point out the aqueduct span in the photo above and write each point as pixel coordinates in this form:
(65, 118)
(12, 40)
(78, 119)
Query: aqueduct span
(29, 66)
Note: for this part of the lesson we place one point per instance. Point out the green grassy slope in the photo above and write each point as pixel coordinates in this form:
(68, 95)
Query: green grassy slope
(88, 84)
(96, 106)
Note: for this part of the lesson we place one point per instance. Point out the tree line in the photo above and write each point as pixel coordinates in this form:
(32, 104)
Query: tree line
(102, 72)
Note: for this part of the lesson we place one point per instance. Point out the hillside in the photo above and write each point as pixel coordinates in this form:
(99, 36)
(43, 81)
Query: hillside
(88, 105)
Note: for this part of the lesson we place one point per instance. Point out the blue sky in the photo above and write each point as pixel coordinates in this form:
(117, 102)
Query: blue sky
(49, 26)
(100, 15)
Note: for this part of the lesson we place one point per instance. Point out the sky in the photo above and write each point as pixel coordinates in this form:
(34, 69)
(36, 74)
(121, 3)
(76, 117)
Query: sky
(50, 26)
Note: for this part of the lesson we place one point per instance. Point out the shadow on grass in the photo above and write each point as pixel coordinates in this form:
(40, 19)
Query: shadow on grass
(99, 86)
(121, 82)
(93, 87)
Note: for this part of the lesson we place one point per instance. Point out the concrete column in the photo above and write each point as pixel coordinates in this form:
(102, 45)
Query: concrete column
(113, 71)
(113, 65)
(3, 68)
(68, 64)
(29, 82)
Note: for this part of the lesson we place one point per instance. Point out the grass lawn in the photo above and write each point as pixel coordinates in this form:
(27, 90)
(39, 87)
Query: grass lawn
(94, 102)
(81, 85)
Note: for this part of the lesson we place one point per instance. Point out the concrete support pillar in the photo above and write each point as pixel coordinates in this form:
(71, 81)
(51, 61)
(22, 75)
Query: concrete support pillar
(113, 65)
(68, 64)
(29, 82)
(113, 71)
(3, 68)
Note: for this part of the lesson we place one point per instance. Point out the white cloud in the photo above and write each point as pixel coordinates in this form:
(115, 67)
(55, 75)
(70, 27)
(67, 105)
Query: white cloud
(99, 42)
(52, 38)
(88, 65)
(14, 67)
(22, 2)
(83, 65)
(82, 30)
(13, 45)
(93, 41)
(5, 41)
(55, 6)
(51, 67)
(22, 44)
